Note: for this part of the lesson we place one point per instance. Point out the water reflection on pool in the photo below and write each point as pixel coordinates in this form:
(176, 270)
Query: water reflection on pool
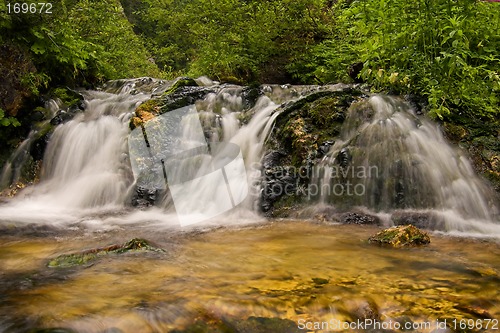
(265, 278)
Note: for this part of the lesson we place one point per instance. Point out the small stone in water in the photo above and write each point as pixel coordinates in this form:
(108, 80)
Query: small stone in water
(320, 281)
(81, 258)
(407, 235)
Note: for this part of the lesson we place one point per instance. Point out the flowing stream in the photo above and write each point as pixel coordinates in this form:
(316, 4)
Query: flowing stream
(251, 274)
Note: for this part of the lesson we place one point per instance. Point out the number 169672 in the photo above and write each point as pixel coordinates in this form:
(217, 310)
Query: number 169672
(29, 8)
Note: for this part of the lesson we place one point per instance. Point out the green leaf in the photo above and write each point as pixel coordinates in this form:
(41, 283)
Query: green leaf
(38, 48)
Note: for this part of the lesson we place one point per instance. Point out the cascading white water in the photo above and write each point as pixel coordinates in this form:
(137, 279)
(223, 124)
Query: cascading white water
(219, 113)
(85, 163)
(85, 166)
(86, 169)
(11, 171)
(400, 160)
(392, 159)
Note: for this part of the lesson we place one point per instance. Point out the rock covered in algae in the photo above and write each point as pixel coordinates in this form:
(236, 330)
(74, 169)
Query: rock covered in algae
(83, 257)
(406, 235)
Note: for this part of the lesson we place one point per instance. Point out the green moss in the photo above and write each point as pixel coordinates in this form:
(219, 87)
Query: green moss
(137, 244)
(454, 132)
(145, 112)
(67, 96)
(232, 80)
(287, 205)
(296, 135)
(400, 236)
(327, 113)
(84, 257)
(150, 106)
(70, 260)
(306, 123)
(181, 82)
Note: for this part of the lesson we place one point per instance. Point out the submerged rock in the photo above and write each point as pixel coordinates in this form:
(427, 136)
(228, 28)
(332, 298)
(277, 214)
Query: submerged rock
(359, 218)
(398, 236)
(363, 309)
(212, 324)
(52, 330)
(83, 257)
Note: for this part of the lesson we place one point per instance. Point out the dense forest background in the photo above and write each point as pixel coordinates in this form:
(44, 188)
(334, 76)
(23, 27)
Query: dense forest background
(445, 51)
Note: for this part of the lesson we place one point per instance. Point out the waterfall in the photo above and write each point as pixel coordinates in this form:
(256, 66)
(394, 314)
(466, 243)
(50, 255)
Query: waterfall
(87, 165)
(388, 158)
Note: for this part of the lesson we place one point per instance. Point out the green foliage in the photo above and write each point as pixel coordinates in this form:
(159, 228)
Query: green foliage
(33, 81)
(81, 42)
(5, 21)
(114, 49)
(8, 121)
(66, 96)
(445, 50)
(230, 37)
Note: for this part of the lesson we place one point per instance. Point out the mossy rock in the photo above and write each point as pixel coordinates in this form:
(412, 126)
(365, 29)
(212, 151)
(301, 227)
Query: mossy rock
(232, 80)
(145, 112)
(181, 82)
(265, 325)
(454, 132)
(303, 132)
(310, 121)
(84, 257)
(183, 96)
(67, 96)
(400, 236)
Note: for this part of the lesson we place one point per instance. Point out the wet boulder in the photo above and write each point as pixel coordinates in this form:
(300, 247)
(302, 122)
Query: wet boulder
(400, 236)
(359, 218)
(304, 132)
(422, 220)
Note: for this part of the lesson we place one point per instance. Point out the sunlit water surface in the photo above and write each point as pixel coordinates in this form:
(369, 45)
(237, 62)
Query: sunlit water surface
(295, 270)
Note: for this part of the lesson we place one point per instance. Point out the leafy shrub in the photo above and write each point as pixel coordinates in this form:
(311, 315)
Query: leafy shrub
(445, 50)
(8, 121)
(231, 38)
